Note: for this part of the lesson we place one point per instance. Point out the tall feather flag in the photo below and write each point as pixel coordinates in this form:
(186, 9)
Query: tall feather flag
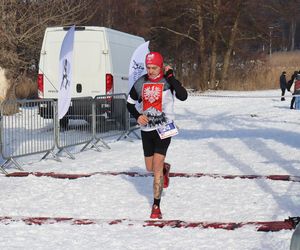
(65, 73)
(137, 66)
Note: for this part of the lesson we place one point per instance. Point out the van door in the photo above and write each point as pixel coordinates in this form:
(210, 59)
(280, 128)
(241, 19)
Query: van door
(89, 63)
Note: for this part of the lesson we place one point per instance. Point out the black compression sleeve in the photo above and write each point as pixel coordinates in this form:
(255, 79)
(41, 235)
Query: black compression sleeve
(132, 110)
(131, 107)
(180, 91)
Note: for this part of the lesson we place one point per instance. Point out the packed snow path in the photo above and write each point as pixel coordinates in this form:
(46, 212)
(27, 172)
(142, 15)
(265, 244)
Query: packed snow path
(228, 136)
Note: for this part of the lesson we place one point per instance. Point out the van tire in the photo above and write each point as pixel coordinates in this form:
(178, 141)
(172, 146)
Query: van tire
(119, 109)
(64, 123)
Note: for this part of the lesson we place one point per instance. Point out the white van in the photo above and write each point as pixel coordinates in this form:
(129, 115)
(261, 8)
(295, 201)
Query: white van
(101, 58)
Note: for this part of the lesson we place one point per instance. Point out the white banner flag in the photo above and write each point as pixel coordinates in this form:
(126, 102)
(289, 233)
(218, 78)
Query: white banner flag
(137, 66)
(65, 73)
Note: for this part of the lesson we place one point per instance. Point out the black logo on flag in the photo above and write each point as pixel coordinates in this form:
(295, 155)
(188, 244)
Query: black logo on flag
(65, 83)
(138, 69)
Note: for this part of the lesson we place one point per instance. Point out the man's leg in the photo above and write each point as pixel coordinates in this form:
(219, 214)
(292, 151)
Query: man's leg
(166, 172)
(155, 164)
(292, 102)
(282, 94)
(149, 163)
(158, 181)
(155, 150)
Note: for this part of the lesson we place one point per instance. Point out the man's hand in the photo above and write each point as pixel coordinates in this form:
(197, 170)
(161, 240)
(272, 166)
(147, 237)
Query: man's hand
(168, 67)
(168, 71)
(142, 120)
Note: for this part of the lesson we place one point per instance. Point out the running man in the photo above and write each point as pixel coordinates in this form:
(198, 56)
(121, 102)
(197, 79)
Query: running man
(155, 93)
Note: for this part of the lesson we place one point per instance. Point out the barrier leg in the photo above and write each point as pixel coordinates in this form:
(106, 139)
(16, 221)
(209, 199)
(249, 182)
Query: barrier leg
(103, 142)
(17, 164)
(52, 153)
(130, 131)
(7, 162)
(2, 167)
(93, 146)
(67, 152)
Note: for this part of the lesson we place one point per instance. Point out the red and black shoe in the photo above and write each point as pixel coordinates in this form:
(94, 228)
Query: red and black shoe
(166, 172)
(155, 213)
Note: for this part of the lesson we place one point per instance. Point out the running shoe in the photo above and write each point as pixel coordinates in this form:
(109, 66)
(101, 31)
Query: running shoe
(155, 213)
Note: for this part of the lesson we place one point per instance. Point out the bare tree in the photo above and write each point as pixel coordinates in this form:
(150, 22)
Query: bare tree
(233, 28)
(199, 37)
(125, 15)
(287, 12)
(184, 26)
(204, 26)
(23, 23)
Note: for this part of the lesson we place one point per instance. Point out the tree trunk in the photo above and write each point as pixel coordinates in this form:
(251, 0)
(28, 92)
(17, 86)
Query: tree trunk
(292, 34)
(227, 56)
(202, 84)
(213, 61)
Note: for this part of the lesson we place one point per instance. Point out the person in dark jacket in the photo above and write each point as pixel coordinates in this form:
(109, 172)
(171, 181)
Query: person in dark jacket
(154, 93)
(283, 85)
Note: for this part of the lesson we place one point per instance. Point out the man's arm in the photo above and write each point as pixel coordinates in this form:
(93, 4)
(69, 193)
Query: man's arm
(180, 91)
(131, 100)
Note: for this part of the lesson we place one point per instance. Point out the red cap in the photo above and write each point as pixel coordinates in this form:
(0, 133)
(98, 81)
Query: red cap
(154, 58)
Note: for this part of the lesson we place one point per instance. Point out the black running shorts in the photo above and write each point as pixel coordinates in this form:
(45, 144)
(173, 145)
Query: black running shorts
(153, 144)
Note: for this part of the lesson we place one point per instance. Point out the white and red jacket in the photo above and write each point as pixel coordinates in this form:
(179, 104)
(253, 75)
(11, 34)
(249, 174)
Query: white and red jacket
(296, 84)
(155, 99)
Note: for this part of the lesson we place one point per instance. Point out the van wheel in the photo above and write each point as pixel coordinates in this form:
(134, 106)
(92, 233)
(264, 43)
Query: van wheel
(89, 119)
(101, 125)
(119, 113)
(64, 122)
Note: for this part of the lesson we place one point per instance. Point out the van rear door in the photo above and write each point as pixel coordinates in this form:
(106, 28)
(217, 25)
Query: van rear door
(88, 62)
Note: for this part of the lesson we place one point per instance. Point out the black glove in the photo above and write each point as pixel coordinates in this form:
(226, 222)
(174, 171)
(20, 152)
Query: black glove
(169, 73)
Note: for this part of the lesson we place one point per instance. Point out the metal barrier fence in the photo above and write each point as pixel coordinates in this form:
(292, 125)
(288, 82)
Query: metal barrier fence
(76, 127)
(31, 126)
(111, 116)
(24, 131)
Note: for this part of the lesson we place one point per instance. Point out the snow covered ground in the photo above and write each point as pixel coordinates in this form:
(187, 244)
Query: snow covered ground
(228, 135)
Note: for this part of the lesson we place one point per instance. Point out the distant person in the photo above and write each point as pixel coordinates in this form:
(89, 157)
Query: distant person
(296, 91)
(155, 91)
(290, 87)
(290, 82)
(283, 84)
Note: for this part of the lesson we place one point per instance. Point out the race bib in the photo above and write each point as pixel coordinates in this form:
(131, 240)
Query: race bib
(167, 130)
